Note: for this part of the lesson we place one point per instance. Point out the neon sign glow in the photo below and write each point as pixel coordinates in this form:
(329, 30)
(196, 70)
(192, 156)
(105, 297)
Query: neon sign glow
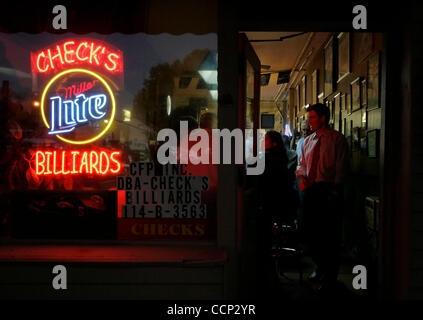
(50, 162)
(75, 90)
(77, 53)
(66, 114)
(78, 106)
(73, 112)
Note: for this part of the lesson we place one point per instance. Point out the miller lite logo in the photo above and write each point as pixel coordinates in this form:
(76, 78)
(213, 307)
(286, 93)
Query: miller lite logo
(78, 106)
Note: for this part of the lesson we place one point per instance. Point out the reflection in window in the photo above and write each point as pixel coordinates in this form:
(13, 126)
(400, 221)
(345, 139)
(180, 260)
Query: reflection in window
(249, 112)
(158, 81)
(126, 115)
(184, 82)
(201, 84)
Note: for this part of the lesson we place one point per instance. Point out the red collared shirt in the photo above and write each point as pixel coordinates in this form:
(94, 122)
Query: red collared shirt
(333, 156)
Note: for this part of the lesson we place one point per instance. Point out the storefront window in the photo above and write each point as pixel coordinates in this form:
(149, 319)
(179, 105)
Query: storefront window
(76, 111)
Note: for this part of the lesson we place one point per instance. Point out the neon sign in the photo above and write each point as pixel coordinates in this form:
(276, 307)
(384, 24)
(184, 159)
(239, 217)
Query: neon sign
(50, 162)
(75, 90)
(74, 53)
(66, 114)
(78, 106)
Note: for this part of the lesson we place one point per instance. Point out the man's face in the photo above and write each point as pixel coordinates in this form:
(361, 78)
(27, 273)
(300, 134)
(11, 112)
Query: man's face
(315, 121)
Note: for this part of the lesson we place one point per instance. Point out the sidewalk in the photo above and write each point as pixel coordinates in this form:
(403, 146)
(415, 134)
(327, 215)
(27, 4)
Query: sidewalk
(292, 288)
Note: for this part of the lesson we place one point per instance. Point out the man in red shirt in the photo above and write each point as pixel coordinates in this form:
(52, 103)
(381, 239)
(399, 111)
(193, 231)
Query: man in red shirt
(321, 171)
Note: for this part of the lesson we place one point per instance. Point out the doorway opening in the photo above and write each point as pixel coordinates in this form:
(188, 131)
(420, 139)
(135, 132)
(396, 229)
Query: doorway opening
(285, 73)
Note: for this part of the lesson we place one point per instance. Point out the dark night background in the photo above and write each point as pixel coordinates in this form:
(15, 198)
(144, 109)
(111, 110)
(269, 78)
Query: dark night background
(401, 22)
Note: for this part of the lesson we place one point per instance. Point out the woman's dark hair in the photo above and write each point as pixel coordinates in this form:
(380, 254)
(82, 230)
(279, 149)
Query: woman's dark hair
(280, 146)
(275, 137)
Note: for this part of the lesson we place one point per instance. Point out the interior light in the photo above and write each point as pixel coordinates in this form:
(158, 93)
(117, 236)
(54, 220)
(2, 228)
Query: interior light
(288, 131)
(126, 115)
(169, 105)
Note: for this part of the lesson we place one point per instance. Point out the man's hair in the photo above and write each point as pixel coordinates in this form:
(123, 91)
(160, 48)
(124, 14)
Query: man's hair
(321, 111)
(275, 137)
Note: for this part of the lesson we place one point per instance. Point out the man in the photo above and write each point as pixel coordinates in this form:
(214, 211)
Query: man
(320, 172)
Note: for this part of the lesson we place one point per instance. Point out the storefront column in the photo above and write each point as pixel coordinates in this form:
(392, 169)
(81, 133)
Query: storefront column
(414, 30)
(394, 257)
(227, 201)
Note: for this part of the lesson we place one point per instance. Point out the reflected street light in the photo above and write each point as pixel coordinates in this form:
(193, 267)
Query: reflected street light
(208, 71)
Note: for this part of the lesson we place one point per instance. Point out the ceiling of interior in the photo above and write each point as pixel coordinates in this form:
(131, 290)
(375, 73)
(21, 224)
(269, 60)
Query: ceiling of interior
(281, 55)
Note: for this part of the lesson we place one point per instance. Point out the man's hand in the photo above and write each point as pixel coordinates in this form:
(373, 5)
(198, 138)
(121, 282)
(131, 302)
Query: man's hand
(302, 183)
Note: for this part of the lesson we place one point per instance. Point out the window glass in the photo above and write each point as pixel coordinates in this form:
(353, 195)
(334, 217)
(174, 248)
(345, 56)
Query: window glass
(249, 112)
(76, 111)
(184, 82)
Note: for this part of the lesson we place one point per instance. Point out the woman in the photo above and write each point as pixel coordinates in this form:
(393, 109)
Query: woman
(275, 185)
(274, 198)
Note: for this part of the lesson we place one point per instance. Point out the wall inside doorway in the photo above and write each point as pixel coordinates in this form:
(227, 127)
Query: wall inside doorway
(359, 125)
